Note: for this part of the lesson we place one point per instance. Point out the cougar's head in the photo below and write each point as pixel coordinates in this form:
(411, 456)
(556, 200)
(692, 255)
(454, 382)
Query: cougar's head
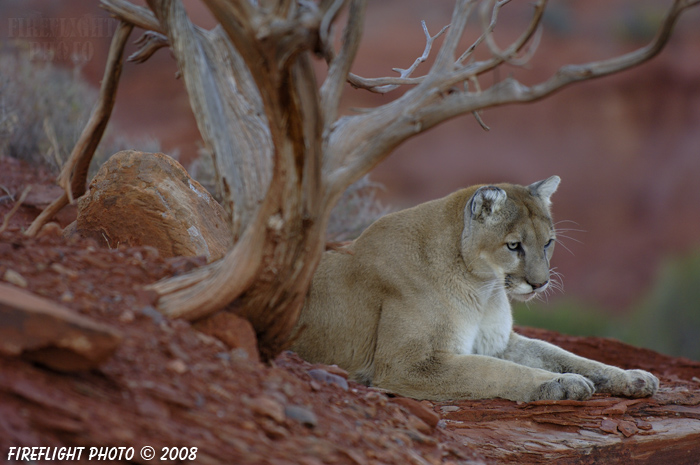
(509, 237)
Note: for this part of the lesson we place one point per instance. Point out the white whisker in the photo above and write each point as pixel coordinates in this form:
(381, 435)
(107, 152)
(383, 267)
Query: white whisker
(561, 233)
(566, 221)
(569, 237)
(556, 281)
(565, 247)
(569, 230)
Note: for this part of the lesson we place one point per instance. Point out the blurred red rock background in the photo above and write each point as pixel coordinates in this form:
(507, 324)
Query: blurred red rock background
(627, 147)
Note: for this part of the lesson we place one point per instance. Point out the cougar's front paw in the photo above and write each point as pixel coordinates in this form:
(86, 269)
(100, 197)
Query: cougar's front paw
(566, 386)
(635, 383)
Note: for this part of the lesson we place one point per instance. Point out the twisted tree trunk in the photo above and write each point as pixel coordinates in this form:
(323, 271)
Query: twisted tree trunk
(268, 121)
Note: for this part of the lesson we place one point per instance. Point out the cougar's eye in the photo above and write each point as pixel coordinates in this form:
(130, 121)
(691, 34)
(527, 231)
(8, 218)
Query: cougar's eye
(513, 246)
(549, 242)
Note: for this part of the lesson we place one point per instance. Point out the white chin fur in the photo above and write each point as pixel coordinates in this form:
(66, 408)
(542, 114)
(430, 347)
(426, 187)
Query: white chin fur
(524, 297)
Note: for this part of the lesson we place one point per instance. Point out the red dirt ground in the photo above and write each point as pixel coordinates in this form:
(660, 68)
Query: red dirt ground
(168, 385)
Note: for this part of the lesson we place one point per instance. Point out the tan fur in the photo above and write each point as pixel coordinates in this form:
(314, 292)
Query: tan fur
(418, 304)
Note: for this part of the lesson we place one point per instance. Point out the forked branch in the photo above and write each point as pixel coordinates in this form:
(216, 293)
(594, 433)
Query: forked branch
(451, 71)
(488, 29)
(404, 73)
(445, 60)
(132, 14)
(387, 84)
(149, 43)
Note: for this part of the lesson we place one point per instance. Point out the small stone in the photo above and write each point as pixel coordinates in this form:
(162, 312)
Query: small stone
(325, 377)
(249, 425)
(416, 424)
(421, 438)
(177, 366)
(13, 277)
(58, 268)
(268, 407)
(67, 297)
(301, 415)
(449, 408)
(376, 396)
(155, 315)
(315, 385)
(627, 428)
(416, 408)
(127, 316)
(643, 424)
(151, 253)
(239, 354)
(617, 409)
(336, 370)
(609, 426)
(50, 229)
(273, 430)
(232, 330)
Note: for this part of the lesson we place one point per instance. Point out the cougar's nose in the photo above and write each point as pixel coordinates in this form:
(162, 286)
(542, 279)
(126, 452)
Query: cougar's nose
(536, 286)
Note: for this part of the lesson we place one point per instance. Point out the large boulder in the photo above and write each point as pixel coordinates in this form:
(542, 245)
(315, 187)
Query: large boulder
(140, 198)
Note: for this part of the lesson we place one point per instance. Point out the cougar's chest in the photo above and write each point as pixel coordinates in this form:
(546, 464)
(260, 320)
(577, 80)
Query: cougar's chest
(483, 327)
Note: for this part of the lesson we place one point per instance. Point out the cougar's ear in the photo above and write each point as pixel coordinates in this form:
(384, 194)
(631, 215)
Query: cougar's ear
(486, 201)
(545, 189)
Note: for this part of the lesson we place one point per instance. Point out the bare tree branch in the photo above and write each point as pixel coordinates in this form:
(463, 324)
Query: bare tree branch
(214, 286)
(339, 68)
(445, 60)
(130, 13)
(13, 210)
(73, 175)
(371, 84)
(150, 42)
(508, 54)
(476, 114)
(463, 73)
(488, 29)
(421, 59)
(331, 9)
(384, 85)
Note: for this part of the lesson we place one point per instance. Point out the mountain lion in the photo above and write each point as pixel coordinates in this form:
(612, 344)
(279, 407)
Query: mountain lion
(418, 304)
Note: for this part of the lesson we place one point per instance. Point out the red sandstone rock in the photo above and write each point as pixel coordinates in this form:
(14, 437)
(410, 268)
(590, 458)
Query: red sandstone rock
(50, 334)
(232, 330)
(418, 409)
(140, 198)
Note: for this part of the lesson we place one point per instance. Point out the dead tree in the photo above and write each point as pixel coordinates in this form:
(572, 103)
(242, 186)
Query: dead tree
(282, 154)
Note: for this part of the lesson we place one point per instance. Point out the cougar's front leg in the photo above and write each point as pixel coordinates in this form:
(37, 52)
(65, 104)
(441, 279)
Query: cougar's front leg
(613, 380)
(416, 355)
(449, 376)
